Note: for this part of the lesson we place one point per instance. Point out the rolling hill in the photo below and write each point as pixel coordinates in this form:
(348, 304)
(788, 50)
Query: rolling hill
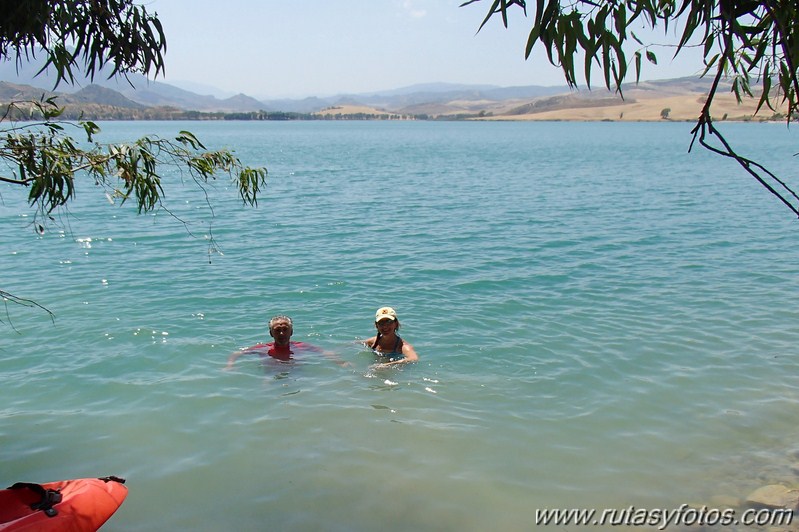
(678, 99)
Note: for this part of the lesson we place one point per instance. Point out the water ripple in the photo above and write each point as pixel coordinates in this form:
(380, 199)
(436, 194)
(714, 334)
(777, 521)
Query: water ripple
(592, 326)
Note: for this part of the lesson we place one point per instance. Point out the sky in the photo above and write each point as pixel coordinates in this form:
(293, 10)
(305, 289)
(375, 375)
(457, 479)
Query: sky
(280, 49)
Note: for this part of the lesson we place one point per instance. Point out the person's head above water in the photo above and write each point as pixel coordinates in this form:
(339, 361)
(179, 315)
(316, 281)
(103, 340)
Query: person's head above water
(386, 315)
(281, 328)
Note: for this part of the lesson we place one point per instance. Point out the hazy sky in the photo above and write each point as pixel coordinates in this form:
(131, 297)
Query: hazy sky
(271, 48)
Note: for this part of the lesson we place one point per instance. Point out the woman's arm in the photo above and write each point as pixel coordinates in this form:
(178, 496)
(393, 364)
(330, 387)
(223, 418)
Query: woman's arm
(409, 352)
(369, 342)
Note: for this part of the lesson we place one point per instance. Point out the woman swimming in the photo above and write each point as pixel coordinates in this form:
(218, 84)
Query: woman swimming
(387, 344)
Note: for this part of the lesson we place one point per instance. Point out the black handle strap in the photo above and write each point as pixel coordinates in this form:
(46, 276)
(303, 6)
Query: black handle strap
(49, 498)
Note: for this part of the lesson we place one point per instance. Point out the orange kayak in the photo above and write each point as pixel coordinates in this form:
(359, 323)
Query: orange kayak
(79, 505)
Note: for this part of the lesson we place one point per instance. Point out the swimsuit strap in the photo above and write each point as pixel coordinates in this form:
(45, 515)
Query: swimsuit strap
(397, 344)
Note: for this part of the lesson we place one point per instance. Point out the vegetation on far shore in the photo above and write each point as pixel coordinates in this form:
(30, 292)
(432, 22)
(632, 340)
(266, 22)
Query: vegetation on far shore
(22, 113)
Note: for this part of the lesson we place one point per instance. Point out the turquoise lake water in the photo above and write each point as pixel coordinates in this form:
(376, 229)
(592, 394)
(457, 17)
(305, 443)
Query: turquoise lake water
(603, 320)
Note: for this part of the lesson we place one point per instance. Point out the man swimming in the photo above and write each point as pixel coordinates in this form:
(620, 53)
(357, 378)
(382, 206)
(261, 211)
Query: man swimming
(282, 348)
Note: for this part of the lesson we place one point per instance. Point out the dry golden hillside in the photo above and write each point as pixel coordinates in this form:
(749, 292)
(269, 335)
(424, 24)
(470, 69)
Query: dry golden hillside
(637, 105)
(645, 101)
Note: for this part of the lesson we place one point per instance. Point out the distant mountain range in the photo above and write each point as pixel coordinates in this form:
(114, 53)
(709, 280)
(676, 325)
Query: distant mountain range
(144, 92)
(138, 97)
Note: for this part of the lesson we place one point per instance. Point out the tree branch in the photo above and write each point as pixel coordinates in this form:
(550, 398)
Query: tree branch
(787, 57)
(705, 126)
(8, 297)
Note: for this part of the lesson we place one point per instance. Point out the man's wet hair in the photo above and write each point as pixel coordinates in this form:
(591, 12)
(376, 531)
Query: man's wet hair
(280, 318)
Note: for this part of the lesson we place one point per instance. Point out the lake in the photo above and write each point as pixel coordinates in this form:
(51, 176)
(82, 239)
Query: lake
(603, 320)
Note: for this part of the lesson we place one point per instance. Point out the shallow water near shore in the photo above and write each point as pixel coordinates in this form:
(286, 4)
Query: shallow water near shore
(603, 320)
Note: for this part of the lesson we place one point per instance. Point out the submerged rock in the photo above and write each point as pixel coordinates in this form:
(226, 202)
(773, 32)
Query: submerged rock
(774, 496)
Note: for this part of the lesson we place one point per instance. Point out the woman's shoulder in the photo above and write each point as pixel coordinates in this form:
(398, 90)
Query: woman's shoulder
(409, 351)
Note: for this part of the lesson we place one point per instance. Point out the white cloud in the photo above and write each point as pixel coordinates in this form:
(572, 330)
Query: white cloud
(414, 12)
